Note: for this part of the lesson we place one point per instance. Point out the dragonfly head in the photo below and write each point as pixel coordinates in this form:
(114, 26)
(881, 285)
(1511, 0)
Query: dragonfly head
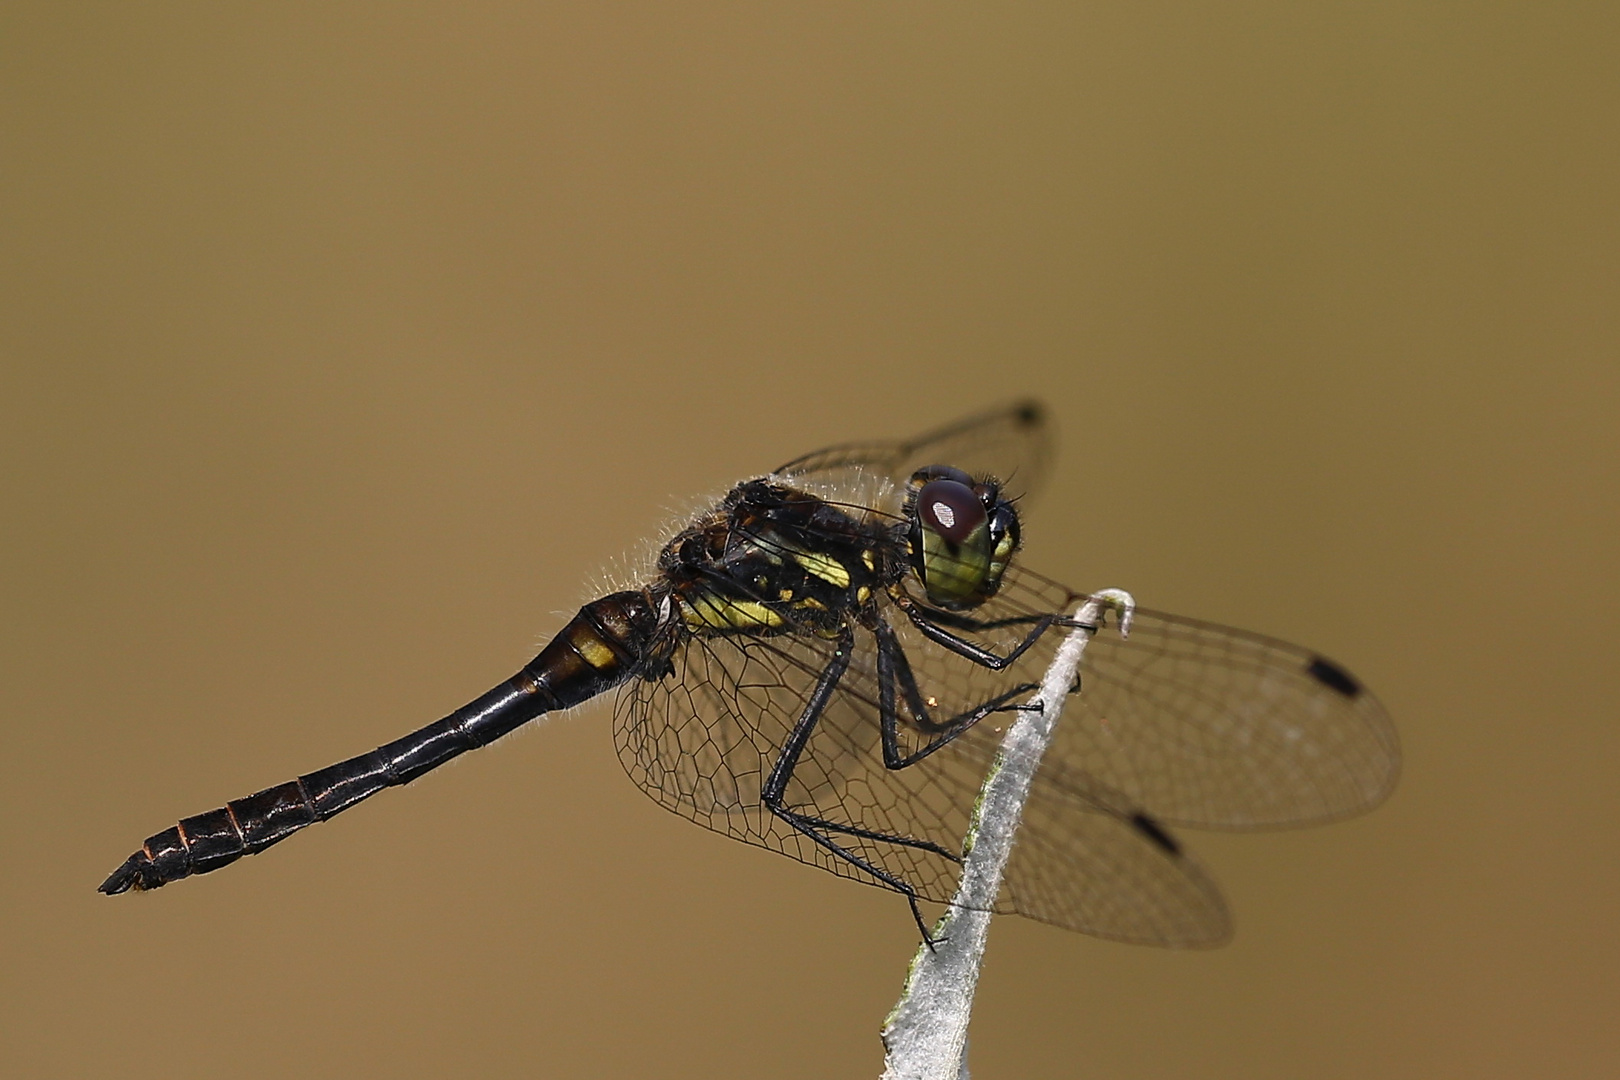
(963, 535)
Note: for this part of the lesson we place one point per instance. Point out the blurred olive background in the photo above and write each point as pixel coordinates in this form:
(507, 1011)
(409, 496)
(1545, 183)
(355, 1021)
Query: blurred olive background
(347, 348)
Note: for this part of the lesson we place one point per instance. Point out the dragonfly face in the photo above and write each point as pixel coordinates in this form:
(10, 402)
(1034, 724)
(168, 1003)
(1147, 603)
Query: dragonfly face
(818, 665)
(963, 535)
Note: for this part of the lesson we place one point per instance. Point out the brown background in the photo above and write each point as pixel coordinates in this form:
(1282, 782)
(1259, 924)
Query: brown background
(342, 346)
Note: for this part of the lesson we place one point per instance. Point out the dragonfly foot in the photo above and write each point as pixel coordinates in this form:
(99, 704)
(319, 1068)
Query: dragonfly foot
(922, 927)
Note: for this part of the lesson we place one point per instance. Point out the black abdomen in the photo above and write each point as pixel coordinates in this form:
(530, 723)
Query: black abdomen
(598, 649)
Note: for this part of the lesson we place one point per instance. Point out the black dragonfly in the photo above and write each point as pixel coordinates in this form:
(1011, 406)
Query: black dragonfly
(821, 665)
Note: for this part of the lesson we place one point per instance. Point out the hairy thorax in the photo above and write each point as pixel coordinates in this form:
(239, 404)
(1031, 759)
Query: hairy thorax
(772, 559)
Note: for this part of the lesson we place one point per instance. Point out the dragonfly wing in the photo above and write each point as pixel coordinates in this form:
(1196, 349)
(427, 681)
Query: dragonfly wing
(1183, 723)
(1011, 442)
(1086, 859)
(1204, 725)
(1212, 727)
(702, 740)
(1218, 728)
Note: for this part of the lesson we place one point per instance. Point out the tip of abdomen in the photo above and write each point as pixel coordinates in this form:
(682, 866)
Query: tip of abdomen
(137, 873)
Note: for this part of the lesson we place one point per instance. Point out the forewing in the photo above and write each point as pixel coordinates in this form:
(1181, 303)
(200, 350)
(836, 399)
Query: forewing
(1219, 728)
(1212, 727)
(1011, 442)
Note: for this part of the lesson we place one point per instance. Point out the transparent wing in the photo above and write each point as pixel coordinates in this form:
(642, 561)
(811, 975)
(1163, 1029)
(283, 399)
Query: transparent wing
(1185, 723)
(1085, 859)
(1011, 442)
(702, 740)
(1211, 727)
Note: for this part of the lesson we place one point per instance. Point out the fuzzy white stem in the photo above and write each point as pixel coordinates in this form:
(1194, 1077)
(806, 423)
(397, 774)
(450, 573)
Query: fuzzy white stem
(925, 1036)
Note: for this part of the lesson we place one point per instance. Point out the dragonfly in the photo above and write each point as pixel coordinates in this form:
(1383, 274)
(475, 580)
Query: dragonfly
(821, 664)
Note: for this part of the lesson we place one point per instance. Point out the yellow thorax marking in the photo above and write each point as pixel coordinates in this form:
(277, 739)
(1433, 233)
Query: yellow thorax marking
(824, 567)
(708, 610)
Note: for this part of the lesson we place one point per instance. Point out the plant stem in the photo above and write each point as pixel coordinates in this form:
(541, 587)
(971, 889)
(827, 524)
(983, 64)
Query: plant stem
(925, 1036)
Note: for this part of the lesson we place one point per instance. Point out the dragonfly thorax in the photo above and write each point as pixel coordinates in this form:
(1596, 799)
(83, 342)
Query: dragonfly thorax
(773, 559)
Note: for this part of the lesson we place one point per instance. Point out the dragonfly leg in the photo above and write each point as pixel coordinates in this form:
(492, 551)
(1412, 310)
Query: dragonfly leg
(928, 623)
(775, 788)
(1105, 600)
(808, 827)
(894, 668)
(873, 834)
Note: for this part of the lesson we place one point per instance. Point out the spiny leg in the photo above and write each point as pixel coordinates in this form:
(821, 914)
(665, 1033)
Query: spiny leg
(927, 621)
(957, 620)
(1116, 600)
(803, 825)
(776, 783)
(873, 834)
(894, 668)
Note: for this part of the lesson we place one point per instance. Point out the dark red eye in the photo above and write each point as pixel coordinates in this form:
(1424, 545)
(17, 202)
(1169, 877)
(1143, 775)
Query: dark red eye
(950, 508)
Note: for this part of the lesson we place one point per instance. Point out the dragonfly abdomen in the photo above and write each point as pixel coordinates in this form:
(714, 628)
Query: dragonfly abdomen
(593, 653)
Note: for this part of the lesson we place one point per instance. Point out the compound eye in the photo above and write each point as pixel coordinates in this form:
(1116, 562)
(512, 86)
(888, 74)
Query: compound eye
(950, 508)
